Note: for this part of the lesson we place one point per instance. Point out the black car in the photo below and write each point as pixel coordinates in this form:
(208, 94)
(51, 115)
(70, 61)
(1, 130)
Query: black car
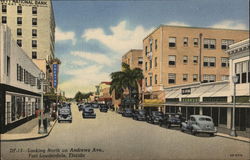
(139, 115)
(171, 119)
(64, 114)
(154, 117)
(103, 107)
(95, 105)
(88, 112)
(128, 112)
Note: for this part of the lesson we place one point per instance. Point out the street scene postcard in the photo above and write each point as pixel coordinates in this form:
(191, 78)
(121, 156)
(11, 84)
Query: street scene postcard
(124, 80)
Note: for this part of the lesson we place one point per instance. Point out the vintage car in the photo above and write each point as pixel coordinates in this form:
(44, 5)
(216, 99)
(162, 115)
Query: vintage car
(171, 119)
(139, 115)
(88, 112)
(64, 114)
(127, 112)
(119, 110)
(154, 117)
(199, 124)
(95, 105)
(103, 107)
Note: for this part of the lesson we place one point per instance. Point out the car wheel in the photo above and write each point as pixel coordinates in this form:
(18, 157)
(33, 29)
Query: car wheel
(193, 132)
(59, 121)
(169, 125)
(211, 135)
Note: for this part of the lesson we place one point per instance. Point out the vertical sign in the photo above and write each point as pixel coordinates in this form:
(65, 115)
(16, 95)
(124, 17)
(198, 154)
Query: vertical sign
(55, 79)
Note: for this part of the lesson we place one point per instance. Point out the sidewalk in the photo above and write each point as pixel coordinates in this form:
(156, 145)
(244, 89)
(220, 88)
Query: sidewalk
(239, 138)
(27, 131)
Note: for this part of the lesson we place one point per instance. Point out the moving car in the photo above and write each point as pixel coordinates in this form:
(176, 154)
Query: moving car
(103, 108)
(154, 117)
(199, 124)
(127, 112)
(171, 119)
(139, 115)
(88, 112)
(64, 114)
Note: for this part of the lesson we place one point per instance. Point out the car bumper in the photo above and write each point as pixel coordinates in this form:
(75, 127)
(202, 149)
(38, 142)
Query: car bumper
(206, 131)
(89, 116)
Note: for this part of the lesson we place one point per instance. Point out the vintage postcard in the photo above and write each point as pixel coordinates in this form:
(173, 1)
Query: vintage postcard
(124, 80)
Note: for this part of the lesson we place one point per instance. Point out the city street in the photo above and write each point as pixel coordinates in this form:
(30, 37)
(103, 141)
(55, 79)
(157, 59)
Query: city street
(111, 136)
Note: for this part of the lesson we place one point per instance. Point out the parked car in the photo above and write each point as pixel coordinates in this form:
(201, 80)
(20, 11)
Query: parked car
(64, 114)
(171, 119)
(154, 117)
(103, 108)
(120, 110)
(199, 124)
(127, 112)
(88, 112)
(139, 115)
(95, 105)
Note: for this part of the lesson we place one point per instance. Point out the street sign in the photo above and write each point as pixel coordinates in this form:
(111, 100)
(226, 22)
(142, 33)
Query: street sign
(55, 78)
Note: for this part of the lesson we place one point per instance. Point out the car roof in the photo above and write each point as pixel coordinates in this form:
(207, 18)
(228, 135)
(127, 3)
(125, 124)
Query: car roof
(200, 116)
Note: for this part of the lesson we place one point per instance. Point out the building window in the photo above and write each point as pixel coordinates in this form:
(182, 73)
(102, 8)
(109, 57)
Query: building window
(195, 77)
(242, 71)
(18, 72)
(146, 82)
(171, 78)
(185, 41)
(209, 62)
(140, 60)
(195, 59)
(185, 59)
(151, 45)
(34, 10)
(4, 19)
(196, 43)
(19, 42)
(171, 60)
(34, 55)
(34, 32)
(21, 74)
(225, 43)
(8, 66)
(156, 79)
(19, 31)
(146, 50)
(185, 77)
(150, 81)
(4, 8)
(19, 20)
(156, 44)
(225, 77)
(34, 43)
(210, 43)
(150, 64)
(34, 21)
(224, 62)
(209, 78)
(19, 9)
(172, 42)
(155, 61)
(146, 65)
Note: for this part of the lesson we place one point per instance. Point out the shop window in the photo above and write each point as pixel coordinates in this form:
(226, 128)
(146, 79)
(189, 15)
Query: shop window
(209, 43)
(185, 41)
(223, 116)
(171, 78)
(4, 19)
(225, 43)
(172, 42)
(196, 43)
(171, 60)
(19, 20)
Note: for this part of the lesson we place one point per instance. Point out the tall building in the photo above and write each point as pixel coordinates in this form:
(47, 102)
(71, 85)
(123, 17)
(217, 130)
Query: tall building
(32, 24)
(20, 86)
(133, 58)
(175, 55)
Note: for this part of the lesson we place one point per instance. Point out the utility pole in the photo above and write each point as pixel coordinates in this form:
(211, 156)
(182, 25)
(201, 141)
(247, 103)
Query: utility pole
(200, 36)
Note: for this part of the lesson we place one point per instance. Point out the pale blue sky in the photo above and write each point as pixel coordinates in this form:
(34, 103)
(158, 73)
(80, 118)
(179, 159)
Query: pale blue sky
(91, 36)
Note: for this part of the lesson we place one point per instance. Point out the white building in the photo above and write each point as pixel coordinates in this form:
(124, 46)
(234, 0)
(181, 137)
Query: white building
(19, 85)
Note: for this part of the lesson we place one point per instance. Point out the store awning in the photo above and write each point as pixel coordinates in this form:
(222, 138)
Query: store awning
(173, 93)
(153, 102)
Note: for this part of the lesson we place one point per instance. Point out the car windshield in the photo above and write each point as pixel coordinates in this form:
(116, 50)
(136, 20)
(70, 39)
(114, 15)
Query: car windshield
(142, 112)
(128, 110)
(158, 113)
(89, 110)
(205, 119)
(64, 111)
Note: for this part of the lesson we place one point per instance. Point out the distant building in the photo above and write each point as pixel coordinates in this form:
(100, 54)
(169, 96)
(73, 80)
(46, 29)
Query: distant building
(174, 55)
(20, 87)
(104, 96)
(133, 58)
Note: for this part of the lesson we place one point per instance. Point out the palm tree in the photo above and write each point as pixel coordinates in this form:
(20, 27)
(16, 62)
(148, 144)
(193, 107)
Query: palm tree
(126, 79)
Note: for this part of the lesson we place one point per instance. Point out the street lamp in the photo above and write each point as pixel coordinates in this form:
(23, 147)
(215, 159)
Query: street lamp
(41, 77)
(235, 80)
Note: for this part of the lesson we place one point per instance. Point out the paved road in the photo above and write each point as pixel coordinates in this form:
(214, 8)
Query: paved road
(111, 136)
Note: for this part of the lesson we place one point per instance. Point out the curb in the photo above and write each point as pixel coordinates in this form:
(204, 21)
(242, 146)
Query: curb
(31, 138)
(233, 138)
